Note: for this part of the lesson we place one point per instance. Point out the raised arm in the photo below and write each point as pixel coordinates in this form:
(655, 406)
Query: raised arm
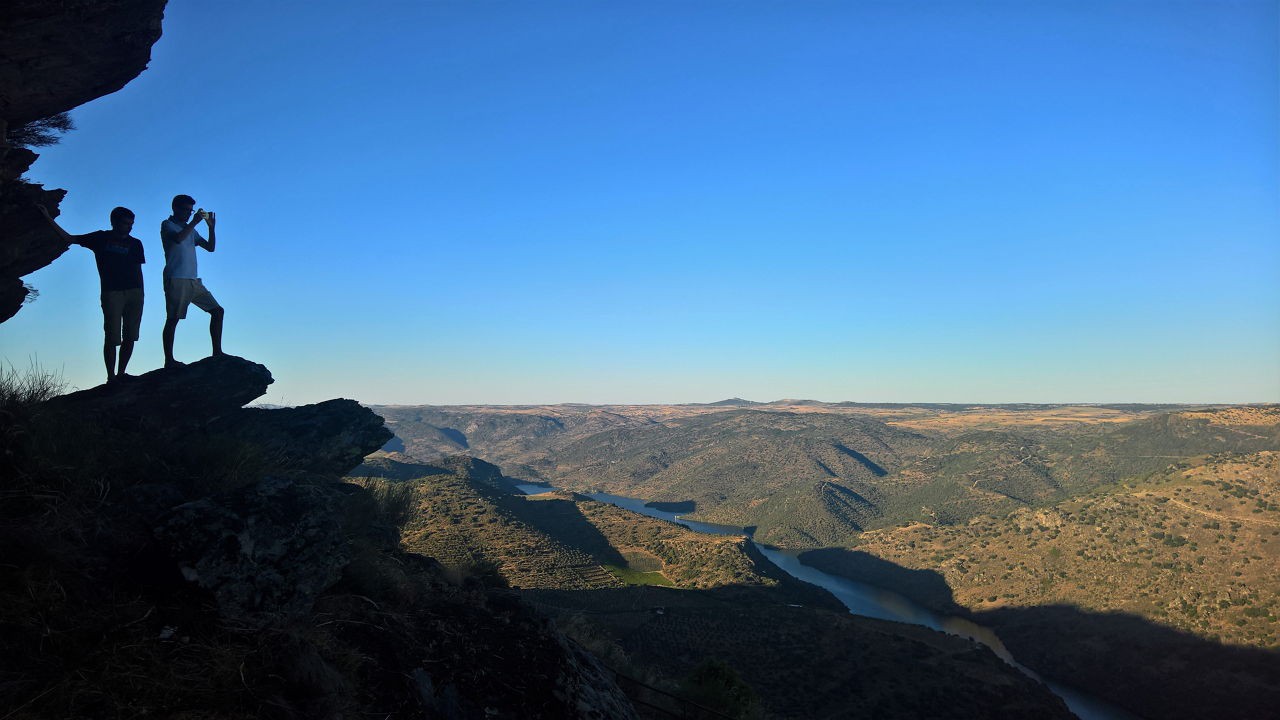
(211, 220)
(184, 231)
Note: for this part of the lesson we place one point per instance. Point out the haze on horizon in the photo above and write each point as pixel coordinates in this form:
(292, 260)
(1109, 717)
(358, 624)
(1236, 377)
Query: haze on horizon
(454, 203)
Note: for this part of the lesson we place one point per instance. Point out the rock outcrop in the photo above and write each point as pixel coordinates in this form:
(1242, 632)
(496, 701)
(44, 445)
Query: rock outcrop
(327, 438)
(55, 56)
(27, 243)
(265, 551)
(169, 524)
(171, 400)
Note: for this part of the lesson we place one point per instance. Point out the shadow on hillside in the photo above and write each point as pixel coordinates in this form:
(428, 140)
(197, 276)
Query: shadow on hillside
(1131, 662)
(1155, 670)
(455, 436)
(803, 661)
(924, 587)
(564, 522)
(866, 461)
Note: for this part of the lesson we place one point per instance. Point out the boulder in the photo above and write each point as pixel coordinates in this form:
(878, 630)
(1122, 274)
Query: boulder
(170, 400)
(327, 438)
(265, 551)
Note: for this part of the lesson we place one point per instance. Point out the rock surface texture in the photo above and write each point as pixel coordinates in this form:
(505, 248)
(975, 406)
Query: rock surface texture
(265, 551)
(55, 56)
(175, 399)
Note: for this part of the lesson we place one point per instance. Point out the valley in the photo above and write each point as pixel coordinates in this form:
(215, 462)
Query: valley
(655, 600)
(1120, 549)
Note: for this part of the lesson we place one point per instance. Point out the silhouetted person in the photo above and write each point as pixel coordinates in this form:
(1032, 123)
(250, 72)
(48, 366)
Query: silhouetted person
(182, 286)
(120, 258)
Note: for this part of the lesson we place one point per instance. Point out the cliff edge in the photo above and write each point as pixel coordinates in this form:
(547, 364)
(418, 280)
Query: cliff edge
(168, 551)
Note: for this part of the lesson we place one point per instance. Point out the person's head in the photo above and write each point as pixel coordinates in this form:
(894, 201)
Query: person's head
(122, 220)
(183, 206)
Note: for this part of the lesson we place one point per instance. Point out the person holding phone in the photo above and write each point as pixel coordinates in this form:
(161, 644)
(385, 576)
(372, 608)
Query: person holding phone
(182, 285)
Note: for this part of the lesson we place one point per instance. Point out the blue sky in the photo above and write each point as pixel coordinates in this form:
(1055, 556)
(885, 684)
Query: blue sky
(510, 202)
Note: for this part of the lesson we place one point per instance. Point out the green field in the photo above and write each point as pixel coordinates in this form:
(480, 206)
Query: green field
(635, 577)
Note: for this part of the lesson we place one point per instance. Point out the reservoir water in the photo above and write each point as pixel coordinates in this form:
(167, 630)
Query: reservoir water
(871, 601)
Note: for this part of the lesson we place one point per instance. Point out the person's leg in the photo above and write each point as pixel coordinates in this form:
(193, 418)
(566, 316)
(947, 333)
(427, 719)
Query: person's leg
(112, 312)
(175, 304)
(215, 330)
(109, 359)
(203, 299)
(166, 339)
(126, 352)
(131, 324)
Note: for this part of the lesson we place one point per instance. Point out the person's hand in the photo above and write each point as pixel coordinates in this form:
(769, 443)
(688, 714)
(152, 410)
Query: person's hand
(210, 218)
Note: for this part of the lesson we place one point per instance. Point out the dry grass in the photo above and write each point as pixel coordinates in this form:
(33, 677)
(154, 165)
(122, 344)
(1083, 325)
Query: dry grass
(22, 389)
(1194, 548)
(990, 418)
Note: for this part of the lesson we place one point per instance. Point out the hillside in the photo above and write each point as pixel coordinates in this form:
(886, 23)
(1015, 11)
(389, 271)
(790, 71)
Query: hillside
(1193, 549)
(655, 599)
(1078, 532)
(466, 515)
(814, 475)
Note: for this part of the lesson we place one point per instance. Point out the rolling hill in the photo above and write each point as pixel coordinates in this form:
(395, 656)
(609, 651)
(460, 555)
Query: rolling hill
(654, 600)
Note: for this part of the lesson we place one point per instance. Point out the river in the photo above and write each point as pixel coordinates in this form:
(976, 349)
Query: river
(871, 601)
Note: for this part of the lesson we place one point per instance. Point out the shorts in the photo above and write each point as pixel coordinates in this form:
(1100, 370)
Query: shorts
(121, 315)
(181, 292)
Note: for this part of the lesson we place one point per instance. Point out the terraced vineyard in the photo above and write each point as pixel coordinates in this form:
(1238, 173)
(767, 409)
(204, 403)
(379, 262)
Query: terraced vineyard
(461, 518)
(468, 517)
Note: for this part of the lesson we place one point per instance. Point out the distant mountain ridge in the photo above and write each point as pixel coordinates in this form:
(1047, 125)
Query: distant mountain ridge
(781, 469)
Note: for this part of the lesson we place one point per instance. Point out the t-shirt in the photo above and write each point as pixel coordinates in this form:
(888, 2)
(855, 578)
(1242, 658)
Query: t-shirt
(119, 259)
(179, 257)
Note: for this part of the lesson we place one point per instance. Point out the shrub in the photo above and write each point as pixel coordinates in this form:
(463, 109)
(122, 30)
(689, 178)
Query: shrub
(715, 685)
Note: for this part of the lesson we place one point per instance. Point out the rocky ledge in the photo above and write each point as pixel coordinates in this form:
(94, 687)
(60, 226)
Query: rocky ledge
(191, 555)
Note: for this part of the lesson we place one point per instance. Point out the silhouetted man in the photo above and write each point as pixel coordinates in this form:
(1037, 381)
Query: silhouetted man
(182, 286)
(120, 259)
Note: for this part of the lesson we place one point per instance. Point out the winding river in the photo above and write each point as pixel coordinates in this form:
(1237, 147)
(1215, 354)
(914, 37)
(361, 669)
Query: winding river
(871, 601)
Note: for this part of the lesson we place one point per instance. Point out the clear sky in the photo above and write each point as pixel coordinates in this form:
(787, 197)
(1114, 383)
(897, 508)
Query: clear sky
(659, 201)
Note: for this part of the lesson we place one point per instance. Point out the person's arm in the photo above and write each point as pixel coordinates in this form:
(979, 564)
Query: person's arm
(66, 236)
(184, 231)
(209, 244)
